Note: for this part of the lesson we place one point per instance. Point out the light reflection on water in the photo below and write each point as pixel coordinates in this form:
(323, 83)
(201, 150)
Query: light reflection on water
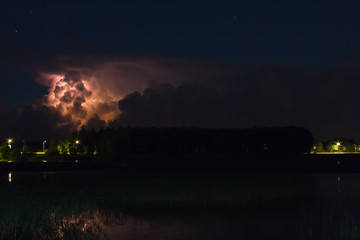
(175, 206)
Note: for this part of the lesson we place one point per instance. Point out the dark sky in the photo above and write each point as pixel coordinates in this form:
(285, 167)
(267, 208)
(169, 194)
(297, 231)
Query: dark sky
(248, 32)
(217, 63)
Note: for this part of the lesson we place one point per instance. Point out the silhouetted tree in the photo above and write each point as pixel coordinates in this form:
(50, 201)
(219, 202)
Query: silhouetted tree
(52, 149)
(4, 152)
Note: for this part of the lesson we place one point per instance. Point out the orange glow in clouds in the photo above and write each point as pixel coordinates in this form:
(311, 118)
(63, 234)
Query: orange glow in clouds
(78, 96)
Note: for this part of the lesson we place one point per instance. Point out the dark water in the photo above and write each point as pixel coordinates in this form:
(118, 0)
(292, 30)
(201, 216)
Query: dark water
(179, 206)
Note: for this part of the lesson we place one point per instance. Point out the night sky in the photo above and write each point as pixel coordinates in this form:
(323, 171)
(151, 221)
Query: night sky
(216, 64)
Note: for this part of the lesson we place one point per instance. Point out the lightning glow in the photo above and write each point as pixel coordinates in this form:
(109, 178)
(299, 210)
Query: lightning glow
(76, 95)
(87, 90)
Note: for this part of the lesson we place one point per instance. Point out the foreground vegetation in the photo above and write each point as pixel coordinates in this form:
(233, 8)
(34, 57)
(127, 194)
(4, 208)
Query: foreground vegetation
(111, 144)
(72, 206)
(80, 206)
(337, 145)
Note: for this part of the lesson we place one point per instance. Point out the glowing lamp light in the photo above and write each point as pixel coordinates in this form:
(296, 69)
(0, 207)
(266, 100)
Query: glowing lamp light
(338, 146)
(77, 141)
(9, 142)
(10, 177)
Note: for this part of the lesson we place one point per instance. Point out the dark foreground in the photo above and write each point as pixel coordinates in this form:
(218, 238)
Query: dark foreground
(213, 205)
(253, 197)
(238, 163)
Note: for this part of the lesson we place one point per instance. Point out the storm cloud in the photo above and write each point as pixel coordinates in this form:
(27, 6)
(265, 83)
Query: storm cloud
(321, 99)
(100, 91)
(35, 122)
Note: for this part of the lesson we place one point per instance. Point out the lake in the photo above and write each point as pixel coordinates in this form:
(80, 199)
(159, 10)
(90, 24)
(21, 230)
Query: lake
(192, 205)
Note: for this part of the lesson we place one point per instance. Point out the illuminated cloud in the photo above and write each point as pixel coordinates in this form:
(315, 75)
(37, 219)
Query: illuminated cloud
(74, 94)
(111, 91)
(85, 87)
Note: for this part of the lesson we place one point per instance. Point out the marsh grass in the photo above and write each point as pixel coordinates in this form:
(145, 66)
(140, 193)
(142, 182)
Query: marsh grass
(78, 206)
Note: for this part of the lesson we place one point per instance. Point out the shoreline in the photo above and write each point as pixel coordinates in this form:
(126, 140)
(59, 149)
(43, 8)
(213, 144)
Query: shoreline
(312, 163)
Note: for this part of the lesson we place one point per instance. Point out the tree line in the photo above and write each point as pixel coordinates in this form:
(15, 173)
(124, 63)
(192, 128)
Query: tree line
(338, 144)
(113, 143)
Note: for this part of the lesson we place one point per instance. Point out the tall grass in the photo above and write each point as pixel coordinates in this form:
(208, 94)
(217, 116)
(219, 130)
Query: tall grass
(78, 206)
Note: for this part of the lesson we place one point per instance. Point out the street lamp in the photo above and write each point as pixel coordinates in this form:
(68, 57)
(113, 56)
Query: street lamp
(338, 146)
(77, 146)
(9, 142)
(44, 145)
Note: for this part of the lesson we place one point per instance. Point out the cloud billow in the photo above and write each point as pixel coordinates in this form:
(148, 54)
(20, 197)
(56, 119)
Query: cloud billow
(187, 105)
(38, 122)
(100, 91)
